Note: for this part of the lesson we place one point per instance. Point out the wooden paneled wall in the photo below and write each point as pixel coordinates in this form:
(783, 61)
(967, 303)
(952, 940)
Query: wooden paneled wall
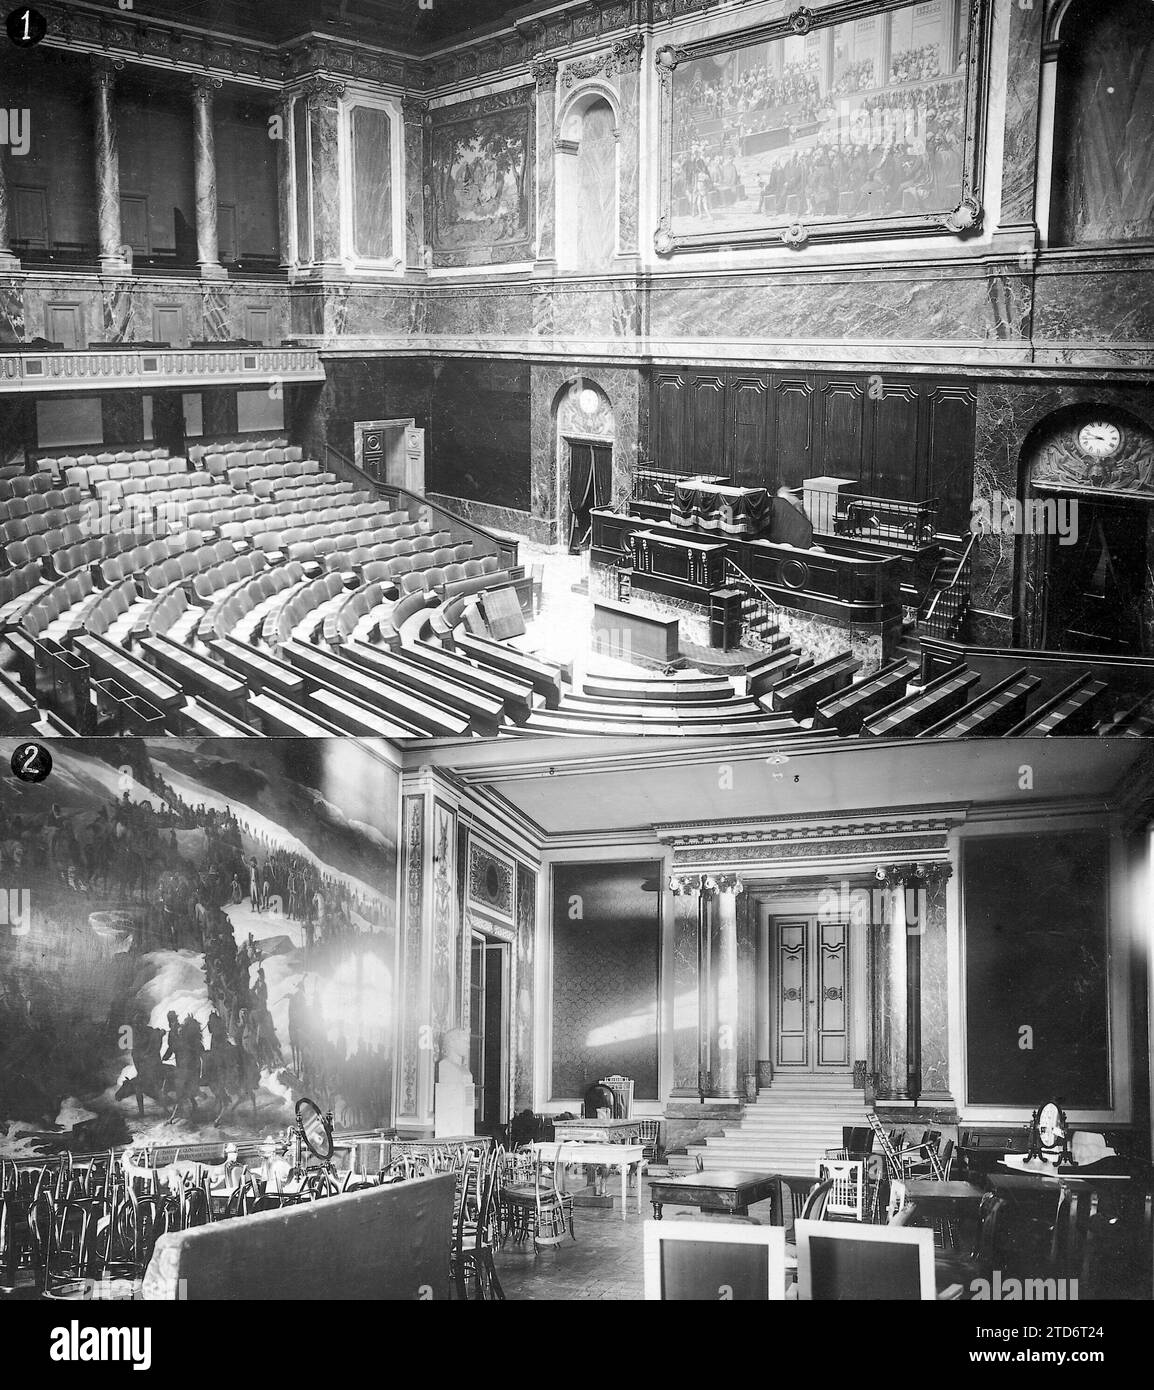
(905, 437)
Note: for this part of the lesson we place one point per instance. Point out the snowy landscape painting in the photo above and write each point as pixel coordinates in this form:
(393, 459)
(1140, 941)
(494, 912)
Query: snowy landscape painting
(200, 933)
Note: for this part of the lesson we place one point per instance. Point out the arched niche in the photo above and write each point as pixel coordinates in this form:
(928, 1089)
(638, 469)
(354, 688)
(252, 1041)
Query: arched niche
(587, 181)
(584, 433)
(1098, 181)
(1084, 534)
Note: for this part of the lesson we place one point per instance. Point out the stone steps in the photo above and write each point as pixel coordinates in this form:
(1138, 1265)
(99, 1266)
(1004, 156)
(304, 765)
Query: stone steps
(788, 1128)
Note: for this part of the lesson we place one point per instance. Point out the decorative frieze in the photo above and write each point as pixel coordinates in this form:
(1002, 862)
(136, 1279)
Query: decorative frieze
(68, 371)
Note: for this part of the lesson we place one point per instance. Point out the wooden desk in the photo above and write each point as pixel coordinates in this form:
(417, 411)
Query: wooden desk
(731, 1191)
(623, 1156)
(597, 1131)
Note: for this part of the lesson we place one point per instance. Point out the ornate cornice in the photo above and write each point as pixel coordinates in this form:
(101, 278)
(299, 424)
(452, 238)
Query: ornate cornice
(624, 56)
(148, 40)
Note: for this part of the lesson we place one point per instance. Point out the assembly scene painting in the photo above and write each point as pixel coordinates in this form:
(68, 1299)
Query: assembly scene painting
(197, 934)
(850, 122)
(479, 180)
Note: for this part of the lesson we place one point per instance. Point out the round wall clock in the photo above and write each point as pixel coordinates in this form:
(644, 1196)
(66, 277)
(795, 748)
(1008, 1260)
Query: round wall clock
(1099, 439)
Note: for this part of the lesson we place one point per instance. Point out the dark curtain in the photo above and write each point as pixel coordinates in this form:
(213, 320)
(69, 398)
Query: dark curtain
(1104, 158)
(589, 474)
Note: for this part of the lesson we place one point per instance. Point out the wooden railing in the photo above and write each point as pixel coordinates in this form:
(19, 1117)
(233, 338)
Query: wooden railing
(442, 519)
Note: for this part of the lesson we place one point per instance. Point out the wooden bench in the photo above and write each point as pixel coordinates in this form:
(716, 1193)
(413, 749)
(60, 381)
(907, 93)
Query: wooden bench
(353, 716)
(484, 712)
(846, 710)
(200, 717)
(548, 680)
(378, 693)
(196, 674)
(992, 713)
(562, 722)
(763, 676)
(666, 691)
(918, 711)
(516, 695)
(260, 671)
(801, 692)
(281, 718)
(18, 711)
(1073, 710)
(728, 711)
(142, 680)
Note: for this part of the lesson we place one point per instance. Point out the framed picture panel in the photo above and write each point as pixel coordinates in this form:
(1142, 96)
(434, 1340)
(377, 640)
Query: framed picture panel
(861, 121)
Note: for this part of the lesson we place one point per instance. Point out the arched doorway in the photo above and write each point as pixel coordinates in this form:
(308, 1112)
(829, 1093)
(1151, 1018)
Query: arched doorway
(1087, 533)
(584, 431)
(587, 185)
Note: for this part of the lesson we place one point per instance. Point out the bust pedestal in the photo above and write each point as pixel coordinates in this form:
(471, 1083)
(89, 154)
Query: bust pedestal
(454, 1103)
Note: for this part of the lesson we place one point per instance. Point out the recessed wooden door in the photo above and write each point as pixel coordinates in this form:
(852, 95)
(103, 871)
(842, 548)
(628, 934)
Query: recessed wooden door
(810, 990)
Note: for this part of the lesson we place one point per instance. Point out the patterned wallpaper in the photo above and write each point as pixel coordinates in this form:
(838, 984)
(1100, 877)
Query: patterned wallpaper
(606, 959)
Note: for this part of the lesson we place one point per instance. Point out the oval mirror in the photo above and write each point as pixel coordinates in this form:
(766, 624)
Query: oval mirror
(316, 1127)
(1050, 1125)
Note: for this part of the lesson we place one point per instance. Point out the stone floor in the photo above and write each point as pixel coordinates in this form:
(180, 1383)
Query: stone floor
(606, 1261)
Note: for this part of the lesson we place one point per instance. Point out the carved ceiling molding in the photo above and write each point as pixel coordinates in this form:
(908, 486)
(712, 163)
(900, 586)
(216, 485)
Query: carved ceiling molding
(623, 57)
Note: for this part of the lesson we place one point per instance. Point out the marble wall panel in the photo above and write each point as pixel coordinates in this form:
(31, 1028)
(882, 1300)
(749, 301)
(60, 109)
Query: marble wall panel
(522, 986)
(1020, 137)
(1092, 306)
(955, 304)
(11, 311)
(685, 998)
(935, 995)
(372, 192)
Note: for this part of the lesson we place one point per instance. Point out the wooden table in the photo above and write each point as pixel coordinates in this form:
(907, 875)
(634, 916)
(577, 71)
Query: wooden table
(597, 1131)
(731, 1191)
(623, 1156)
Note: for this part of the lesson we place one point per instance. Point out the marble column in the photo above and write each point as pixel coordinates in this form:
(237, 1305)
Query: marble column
(727, 1026)
(687, 947)
(284, 183)
(204, 173)
(414, 113)
(109, 239)
(1027, 135)
(891, 1042)
(627, 55)
(7, 260)
(324, 112)
(544, 71)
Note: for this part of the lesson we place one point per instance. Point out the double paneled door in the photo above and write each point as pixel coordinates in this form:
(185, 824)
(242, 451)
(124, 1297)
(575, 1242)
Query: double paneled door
(810, 989)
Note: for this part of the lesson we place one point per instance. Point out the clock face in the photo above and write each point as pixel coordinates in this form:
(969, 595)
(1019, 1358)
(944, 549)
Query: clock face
(1099, 439)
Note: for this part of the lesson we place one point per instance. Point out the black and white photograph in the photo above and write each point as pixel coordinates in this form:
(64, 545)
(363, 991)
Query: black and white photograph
(577, 658)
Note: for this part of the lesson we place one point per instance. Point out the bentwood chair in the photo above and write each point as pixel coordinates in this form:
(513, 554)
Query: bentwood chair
(476, 1229)
(60, 1238)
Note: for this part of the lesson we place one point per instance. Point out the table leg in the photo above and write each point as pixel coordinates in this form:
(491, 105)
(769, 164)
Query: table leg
(624, 1190)
(639, 1204)
(657, 1211)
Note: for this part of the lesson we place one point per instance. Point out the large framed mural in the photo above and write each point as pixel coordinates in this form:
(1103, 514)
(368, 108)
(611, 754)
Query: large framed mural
(480, 185)
(863, 120)
(205, 931)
